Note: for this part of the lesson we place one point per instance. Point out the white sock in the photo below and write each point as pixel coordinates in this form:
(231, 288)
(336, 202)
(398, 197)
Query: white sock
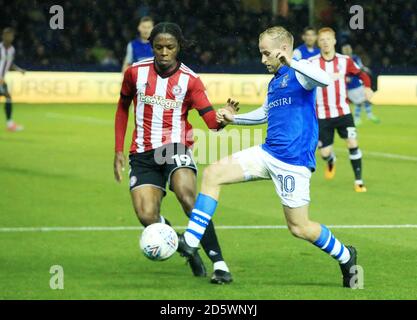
(10, 123)
(358, 181)
(191, 240)
(220, 265)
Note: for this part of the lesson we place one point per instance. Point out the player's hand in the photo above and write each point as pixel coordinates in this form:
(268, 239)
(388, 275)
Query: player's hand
(224, 116)
(369, 94)
(119, 165)
(232, 106)
(283, 57)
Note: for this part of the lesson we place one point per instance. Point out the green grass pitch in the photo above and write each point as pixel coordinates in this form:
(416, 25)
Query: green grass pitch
(58, 173)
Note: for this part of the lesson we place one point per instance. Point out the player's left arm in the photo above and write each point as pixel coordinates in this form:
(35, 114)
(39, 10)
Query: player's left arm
(17, 68)
(310, 75)
(205, 109)
(353, 69)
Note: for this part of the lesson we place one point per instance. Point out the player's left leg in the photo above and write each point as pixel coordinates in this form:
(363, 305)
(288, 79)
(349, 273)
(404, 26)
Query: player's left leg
(358, 108)
(319, 235)
(355, 156)
(292, 184)
(371, 116)
(8, 107)
(347, 131)
(184, 184)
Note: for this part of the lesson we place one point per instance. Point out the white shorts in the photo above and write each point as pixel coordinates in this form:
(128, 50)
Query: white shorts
(292, 183)
(357, 95)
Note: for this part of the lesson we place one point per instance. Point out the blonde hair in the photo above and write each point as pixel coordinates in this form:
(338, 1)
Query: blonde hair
(278, 33)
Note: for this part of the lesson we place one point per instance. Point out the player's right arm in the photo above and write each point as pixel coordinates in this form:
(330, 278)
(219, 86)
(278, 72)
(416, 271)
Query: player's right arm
(122, 116)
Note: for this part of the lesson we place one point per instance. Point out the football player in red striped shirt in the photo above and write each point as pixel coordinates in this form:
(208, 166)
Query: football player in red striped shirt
(333, 108)
(164, 90)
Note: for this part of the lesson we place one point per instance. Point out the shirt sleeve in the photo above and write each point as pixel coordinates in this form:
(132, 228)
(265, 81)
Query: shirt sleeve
(129, 54)
(122, 113)
(128, 87)
(353, 69)
(198, 95)
(310, 75)
(257, 116)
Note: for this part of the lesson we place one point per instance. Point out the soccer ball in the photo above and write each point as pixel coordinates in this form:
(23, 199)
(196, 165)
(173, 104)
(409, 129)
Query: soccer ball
(158, 242)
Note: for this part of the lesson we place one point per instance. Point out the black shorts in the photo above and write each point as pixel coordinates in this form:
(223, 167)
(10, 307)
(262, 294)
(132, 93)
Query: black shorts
(4, 91)
(155, 167)
(344, 125)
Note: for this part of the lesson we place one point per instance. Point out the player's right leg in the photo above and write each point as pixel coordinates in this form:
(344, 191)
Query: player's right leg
(242, 166)
(8, 107)
(326, 138)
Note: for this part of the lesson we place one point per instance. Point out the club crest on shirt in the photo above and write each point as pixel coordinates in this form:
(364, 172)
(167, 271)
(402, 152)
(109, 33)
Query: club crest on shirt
(176, 90)
(284, 82)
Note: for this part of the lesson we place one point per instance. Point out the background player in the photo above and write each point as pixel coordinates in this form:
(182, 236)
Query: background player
(7, 53)
(139, 48)
(332, 106)
(308, 49)
(286, 157)
(164, 90)
(356, 90)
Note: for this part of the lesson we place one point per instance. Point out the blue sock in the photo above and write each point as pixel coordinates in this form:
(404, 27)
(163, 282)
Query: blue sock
(358, 110)
(204, 208)
(368, 108)
(329, 244)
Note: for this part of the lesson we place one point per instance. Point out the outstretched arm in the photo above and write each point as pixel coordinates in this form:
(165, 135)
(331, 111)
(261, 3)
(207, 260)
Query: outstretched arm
(254, 117)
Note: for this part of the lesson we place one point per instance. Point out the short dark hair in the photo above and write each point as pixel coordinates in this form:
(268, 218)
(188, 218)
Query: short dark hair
(171, 28)
(308, 29)
(146, 19)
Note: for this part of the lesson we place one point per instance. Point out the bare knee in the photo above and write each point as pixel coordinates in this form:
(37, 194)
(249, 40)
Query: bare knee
(147, 214)
(352, 143)
(212, 175)
(299, 230)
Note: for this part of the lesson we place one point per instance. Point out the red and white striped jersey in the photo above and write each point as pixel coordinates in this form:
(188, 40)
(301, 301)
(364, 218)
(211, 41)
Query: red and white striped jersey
(162, 103)
(6, 59)
(331, 101)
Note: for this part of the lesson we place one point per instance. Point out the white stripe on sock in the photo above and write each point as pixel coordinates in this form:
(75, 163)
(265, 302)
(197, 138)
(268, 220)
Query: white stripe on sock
(336, 248)
(201, 213)
(197, 228)
(191, 239)
(220, 265)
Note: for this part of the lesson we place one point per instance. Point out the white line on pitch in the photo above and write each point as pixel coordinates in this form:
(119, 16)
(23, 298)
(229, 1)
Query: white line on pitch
(129, 228)
(78, 118)
(383, 155)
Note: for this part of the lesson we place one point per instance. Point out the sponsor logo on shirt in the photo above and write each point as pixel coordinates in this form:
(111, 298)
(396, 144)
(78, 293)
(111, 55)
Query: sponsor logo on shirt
(279, 103)
(160, 101)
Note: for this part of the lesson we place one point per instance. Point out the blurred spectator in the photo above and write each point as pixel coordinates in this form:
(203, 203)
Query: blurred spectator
(109, 60)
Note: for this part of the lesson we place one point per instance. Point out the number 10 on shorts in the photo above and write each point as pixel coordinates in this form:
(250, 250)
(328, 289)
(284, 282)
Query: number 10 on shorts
(287, 183)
